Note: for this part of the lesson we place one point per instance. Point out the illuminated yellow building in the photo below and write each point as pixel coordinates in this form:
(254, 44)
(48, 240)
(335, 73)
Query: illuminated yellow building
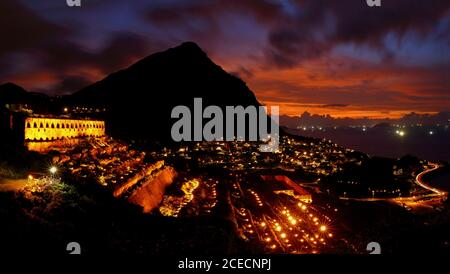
(43, 133)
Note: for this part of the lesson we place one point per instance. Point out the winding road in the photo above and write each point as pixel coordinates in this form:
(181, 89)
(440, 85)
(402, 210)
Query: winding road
(420, 182)
(436, 193)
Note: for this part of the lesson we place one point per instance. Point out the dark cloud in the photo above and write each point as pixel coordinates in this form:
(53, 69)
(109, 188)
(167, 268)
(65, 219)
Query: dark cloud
(69, 84)
(48, 46)
(243, 73)
(6, 64)
(122, 49)
(328, 23)
(308, 29)
(21, 29)
(289, 46)
(262, 10)
(60, 55)
(211, 22)
(53, 48)
(119, 51)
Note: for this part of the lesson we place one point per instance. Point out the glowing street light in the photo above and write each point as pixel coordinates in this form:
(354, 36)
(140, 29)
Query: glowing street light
(53, 170)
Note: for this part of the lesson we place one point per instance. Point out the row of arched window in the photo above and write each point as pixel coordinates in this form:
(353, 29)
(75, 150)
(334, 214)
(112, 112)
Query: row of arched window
(64, 125)
(60, 138)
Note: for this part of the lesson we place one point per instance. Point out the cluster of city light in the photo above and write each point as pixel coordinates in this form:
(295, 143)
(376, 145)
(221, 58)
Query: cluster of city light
(291, 219)
(298, 229)
(213, 196)
(37, 185)
(189, 187)
(172, 205)
(311, 238)
(400, 133)
(266, 233)
(320, 157)
(302, 206)
(257, 198)
(289, 223)
(111, 162)
(283, 236)
(277, 227)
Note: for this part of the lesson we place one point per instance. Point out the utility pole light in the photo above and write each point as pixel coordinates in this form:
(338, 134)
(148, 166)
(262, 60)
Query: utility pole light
(53, 170)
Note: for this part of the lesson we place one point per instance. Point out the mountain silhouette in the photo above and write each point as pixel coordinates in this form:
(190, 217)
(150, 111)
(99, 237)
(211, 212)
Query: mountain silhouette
(139, 99)
(13, 94)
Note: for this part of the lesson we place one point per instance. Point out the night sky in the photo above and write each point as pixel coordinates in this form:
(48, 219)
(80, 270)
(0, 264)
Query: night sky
(327, 57)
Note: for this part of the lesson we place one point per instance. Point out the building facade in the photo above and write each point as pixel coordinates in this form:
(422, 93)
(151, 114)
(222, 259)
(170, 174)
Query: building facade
(43, 133)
